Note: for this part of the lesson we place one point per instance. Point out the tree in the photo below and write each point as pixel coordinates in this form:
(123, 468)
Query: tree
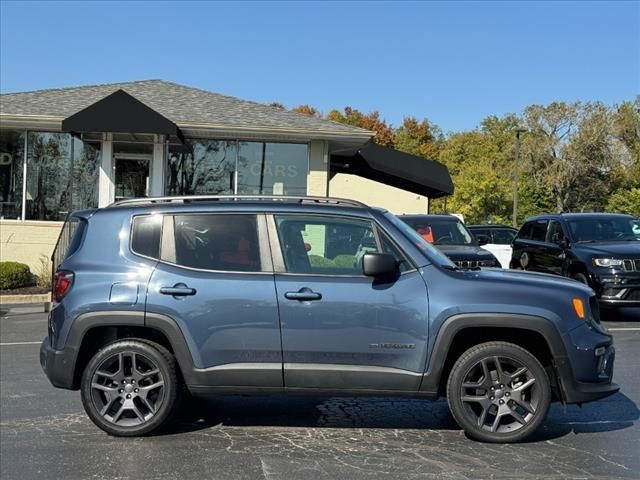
(422, 138)
(570, 150)
(277, 106)
(482, 189)
(625, 201)
(307, 110)
(384, 134)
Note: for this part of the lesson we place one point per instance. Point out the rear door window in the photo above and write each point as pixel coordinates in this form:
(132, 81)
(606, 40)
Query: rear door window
(539, 230)
(220, 242)
(503, 236)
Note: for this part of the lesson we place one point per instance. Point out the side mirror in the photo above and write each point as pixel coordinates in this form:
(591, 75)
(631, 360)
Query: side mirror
(379, 265)
(482, 239)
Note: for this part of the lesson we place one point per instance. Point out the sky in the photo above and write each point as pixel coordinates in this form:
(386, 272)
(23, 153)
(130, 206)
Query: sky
(451, 62)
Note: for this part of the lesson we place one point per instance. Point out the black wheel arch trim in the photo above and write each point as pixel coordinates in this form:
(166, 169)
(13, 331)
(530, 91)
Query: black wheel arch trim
(459, 322)
(60, 365)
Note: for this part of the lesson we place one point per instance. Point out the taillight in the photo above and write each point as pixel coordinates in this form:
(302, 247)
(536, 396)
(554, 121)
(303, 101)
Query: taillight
(62, 283)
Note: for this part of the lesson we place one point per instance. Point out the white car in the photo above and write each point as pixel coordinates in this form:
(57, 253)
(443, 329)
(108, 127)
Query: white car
(498, 238)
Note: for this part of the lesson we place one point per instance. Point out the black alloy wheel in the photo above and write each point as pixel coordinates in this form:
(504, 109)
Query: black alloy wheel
(130, 387)
(498, 392)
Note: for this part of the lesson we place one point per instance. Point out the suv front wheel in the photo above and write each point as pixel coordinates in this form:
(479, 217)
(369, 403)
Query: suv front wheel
(498, 392)
(130, 387)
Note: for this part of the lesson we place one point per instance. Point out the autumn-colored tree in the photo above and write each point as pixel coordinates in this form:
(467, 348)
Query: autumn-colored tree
(307, 110)
(384, 134)
(422, 138)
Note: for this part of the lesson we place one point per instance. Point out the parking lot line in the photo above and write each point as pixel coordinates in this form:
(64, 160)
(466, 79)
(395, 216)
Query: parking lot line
(629, 329)
(20, 343)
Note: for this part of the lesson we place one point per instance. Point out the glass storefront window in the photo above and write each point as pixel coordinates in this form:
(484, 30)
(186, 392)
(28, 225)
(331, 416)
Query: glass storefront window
(204, 167)
(48, 176)
(11, 165)
(62, 175)
(86, 169)
(272, 168)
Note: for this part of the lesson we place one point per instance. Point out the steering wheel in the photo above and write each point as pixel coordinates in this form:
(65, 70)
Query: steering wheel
(444, 237)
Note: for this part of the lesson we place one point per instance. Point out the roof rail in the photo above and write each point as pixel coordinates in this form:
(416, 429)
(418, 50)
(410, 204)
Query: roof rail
(215, 198)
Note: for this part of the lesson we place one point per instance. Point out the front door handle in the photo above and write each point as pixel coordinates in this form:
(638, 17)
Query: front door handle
(178, 290)
(303, 295)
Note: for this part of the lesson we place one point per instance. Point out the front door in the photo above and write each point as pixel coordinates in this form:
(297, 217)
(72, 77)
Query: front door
(216, 281)
(341, 329)
(131, 178)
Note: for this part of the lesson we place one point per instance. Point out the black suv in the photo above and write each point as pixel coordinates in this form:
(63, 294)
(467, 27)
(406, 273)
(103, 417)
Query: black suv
(598, 249)
(452, 238)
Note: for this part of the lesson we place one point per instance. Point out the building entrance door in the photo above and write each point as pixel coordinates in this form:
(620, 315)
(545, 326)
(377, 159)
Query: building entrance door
(131, 177)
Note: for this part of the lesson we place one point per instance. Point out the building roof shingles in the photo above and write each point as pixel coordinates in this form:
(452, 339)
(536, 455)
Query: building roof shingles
(179, 103)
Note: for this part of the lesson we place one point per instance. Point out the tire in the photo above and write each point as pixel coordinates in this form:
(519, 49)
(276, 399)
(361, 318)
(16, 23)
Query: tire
(498, 405)
(125, 401)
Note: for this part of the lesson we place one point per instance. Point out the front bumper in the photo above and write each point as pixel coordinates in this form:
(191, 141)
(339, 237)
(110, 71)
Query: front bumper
(618, 289)
(574, 391)
(58, 365)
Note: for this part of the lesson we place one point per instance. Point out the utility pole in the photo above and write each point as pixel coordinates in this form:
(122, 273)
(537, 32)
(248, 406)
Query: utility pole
(515, 177)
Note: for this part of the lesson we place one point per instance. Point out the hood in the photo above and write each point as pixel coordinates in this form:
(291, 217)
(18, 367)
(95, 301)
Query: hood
(532, 279)
(629, 249)
(465, 252)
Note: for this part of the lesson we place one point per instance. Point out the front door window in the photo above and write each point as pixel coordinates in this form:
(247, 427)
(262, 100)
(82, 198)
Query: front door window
(132, 178)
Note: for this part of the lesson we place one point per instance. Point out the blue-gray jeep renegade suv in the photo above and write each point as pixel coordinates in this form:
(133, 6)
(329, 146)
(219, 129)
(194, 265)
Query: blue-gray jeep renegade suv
(154, 298)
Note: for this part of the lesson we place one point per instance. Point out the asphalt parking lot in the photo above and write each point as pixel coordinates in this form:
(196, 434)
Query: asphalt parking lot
(44, 432)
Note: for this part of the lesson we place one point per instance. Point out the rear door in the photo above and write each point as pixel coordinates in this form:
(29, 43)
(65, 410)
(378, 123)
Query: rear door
(341, 329)
(501, 239)
(554, 255)
(215, 280)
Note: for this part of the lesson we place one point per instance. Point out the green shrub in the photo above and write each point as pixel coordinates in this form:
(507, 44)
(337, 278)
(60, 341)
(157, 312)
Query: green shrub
(14, 275)
(318, 261)
(344, 261)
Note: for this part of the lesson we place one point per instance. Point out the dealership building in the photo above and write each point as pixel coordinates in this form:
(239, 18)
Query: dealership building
(85, 147)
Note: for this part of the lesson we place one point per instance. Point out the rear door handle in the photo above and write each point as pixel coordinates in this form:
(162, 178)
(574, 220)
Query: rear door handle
(303, 295)
(178, 290)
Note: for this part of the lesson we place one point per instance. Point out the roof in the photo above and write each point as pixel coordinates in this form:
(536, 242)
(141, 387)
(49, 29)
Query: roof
(185, 106)
(573, 215)
(436, 217)
(399, 169)
(491, 225)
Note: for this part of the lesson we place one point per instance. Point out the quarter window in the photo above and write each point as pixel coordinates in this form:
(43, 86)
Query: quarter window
(217, 242)
(145, 235)
(325, 245)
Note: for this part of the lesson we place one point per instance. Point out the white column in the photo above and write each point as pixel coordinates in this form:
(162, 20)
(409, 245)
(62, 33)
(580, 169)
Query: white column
(318, 175)
(106, 187)
(156, 176)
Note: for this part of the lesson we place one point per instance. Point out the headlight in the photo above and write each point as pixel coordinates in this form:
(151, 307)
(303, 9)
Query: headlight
(607, 262)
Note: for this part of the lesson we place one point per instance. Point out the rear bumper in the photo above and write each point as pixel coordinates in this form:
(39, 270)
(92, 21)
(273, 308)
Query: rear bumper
(58, 365)
(574, 391)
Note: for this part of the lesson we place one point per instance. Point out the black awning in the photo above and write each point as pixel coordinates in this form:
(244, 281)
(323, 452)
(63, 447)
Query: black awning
(120, 113)
(398, 169)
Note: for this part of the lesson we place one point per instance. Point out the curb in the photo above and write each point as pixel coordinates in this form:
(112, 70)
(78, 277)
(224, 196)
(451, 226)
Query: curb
(22, 299)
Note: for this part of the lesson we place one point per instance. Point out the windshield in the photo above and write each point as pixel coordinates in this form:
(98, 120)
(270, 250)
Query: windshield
(431, 252)
(606, 229)
(441, 232)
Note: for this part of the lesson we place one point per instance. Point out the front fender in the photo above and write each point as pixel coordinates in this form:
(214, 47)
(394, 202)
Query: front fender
(457, 323)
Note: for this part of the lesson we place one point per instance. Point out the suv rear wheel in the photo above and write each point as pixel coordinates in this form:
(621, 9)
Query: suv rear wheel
(498, 392)
(130, 387)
